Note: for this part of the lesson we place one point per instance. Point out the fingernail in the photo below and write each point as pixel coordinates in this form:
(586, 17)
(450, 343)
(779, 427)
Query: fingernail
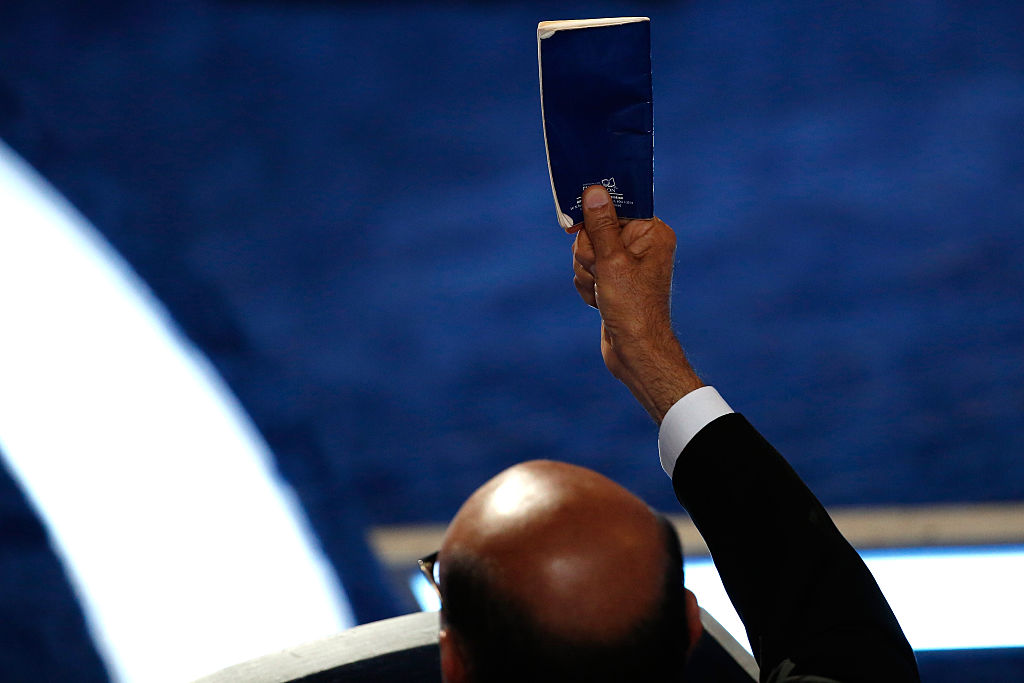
(595, 196)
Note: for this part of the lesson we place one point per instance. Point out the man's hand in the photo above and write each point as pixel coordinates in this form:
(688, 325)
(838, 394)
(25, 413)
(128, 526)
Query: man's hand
(626, 273)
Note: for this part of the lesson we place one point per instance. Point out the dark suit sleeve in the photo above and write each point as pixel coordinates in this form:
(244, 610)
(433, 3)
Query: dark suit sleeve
(808, 602)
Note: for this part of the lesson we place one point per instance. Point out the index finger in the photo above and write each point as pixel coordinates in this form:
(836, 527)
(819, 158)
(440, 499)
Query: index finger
(600, 221)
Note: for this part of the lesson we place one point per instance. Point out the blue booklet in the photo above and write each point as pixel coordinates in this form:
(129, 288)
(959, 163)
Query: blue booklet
(596, 103)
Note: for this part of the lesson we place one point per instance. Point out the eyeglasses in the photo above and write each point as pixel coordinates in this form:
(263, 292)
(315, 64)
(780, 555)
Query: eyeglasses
(428, 565)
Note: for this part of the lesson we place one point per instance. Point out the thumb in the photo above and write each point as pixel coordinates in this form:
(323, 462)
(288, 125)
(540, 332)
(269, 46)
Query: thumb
(600, 221)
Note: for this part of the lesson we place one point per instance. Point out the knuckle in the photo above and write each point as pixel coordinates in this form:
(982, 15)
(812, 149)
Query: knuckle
(602, 222)
(581, 252)
(665, 232)
(580, 263)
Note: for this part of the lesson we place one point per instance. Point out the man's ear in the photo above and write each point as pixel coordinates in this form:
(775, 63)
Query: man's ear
(453, 663)
(693, 619)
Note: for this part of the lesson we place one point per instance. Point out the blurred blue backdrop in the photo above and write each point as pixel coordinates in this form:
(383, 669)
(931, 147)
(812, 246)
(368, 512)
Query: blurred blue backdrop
(346, 206)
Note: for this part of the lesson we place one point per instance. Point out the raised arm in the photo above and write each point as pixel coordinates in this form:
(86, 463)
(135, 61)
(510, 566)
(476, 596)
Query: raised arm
(809, 604)
(626, 273)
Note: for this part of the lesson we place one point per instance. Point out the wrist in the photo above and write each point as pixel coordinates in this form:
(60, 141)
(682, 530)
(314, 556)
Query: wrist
(658, 374)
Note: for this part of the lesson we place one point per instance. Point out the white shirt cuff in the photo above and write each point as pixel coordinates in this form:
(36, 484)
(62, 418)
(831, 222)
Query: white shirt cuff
(684, 419)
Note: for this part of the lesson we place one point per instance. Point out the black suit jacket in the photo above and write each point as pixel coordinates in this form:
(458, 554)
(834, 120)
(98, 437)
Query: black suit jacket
(810, 605)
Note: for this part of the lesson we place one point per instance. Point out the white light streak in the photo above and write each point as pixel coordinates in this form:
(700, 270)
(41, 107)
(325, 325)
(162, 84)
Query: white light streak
(185, 549)
(945, 599)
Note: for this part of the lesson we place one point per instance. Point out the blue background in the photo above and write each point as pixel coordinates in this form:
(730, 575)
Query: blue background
(347, 207)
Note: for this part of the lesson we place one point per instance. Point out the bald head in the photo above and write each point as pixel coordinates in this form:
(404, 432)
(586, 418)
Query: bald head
(579, 554)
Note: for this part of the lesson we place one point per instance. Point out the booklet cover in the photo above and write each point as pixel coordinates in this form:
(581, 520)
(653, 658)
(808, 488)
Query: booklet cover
(596, 105)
